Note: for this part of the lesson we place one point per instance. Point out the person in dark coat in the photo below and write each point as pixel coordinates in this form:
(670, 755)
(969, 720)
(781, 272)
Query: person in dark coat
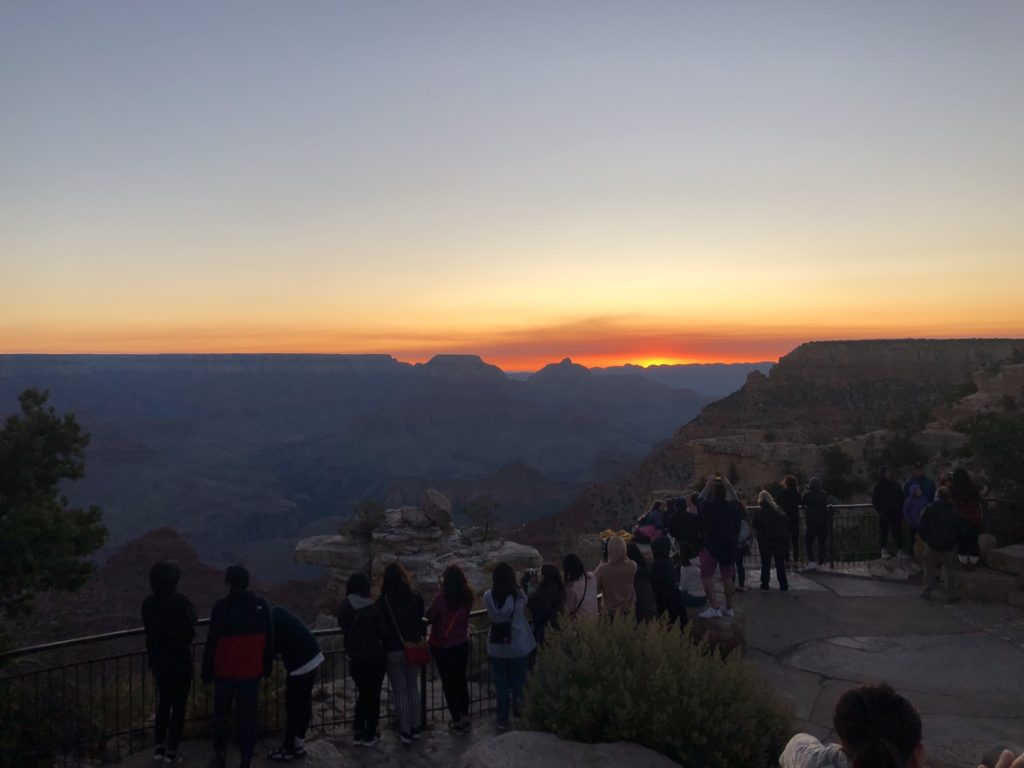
(789, 500)
(887, 499)
(239, 651)
(721, 516)
(301, 655)
(646, 605)
(818, 513)
(169, 619)
(684, 526)
(402, 610)
(941, 529)
(667, 597)
(363, 628)
(547, 601)
(967, 499)
(771, 526)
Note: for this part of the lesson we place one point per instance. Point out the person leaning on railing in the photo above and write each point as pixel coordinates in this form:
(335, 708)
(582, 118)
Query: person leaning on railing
(510, 641)
(448, 616)
(362, 625)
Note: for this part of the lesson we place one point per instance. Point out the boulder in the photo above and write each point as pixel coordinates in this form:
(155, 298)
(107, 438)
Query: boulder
(532, 749)
(1008, 559)
(438, 509)
(724, 634)
(986, 543)
(986, 585)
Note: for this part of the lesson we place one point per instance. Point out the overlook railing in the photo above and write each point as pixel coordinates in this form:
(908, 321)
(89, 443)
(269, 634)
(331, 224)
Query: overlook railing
(91, 700)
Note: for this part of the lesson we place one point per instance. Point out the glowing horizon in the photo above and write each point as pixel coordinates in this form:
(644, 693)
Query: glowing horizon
(682, 182)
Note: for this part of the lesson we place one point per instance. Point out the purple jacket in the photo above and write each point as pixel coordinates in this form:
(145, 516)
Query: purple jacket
(913, 506)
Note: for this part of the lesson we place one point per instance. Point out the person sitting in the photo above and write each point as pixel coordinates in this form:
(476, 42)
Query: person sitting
(876, 727)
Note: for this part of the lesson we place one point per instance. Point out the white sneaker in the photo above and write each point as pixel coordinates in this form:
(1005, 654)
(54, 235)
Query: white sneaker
(711, 613)
(886, 555)
(728, 612)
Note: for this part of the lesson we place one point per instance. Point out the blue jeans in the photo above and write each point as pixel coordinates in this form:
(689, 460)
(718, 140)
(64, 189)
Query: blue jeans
(509, 678)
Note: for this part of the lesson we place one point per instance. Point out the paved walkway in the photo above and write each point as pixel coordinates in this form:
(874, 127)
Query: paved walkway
(962, 665)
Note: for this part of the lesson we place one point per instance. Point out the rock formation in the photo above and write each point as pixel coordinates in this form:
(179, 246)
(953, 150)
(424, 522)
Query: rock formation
(423, 540)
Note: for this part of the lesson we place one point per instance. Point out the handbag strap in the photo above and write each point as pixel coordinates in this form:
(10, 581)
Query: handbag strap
(451, 624)
(586, 585)
(387, 603)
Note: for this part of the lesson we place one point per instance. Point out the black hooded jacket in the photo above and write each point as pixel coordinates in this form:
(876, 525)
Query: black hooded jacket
(169, 620)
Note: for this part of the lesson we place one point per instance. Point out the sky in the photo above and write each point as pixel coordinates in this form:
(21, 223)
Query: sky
(616, 182)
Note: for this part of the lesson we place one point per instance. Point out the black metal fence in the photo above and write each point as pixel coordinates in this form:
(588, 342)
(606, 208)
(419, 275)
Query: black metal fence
(91, 701)
(852, 537)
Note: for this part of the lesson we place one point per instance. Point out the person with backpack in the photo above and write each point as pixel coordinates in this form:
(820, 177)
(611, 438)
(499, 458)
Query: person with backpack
(239, 651)
(941, 529)
(301, 655)
(580, 588)
(646, 606)
(509, 643)
(772, 528)
(667, 597)
(169, 619)
(402, 609)
(887, 499)
(818, 513)
(448, 616)
(362, 625)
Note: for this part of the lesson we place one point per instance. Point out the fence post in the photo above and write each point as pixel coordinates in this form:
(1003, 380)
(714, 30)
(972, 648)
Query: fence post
(832, 537)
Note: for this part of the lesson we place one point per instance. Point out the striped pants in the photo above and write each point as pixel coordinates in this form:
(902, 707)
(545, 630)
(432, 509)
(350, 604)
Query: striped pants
(405, 691)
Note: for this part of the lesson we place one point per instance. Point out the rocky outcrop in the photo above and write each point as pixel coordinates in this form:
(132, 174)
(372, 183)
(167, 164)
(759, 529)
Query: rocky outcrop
(423, 540)
(1008, 559)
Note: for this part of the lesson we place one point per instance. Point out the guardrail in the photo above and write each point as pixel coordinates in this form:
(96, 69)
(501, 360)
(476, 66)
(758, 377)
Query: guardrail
(96, 707)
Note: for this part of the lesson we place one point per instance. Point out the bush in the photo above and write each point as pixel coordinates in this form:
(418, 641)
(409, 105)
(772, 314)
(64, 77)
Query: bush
(599, 680)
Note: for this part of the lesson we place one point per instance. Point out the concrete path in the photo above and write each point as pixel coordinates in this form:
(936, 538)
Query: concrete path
(962, 665)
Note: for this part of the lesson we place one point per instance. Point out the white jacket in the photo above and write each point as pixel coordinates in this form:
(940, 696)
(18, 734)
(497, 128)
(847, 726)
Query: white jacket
(805, 751)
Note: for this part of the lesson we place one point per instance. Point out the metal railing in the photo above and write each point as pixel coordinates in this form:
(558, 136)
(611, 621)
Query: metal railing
(91, 700)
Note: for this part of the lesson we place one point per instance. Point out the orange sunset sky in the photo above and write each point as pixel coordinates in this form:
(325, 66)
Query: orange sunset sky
(644, 182)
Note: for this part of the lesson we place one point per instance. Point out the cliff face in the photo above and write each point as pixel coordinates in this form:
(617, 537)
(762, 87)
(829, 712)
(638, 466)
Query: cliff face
(820, 393)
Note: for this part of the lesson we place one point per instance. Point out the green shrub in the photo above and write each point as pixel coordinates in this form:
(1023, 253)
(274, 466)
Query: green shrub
(598, 680)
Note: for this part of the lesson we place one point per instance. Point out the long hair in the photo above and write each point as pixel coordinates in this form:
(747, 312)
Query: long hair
(395, 582)
(457, 591)
(633, 553)
(962, 486)
(551, 578)
(573, 567)
(877, 726)
(765, 499)
(503, 583)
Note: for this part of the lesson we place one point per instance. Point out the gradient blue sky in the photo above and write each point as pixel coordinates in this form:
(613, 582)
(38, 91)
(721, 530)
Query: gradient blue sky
(615, 181)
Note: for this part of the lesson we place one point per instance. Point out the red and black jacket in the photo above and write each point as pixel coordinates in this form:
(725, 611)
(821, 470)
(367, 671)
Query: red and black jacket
(240, 643)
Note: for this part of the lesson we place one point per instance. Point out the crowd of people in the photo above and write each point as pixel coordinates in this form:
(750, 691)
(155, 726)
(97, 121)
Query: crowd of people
(394, 634)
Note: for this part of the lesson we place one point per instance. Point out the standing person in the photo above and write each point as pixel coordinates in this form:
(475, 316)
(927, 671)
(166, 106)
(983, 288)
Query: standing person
(239, 651)
(941, 529)
(876, 727)
(667, 597)
(887, 499)
(510, 641)
(918, 477)
(967, 499)
(720, 517)
(402, 609)
(789, 500)
(615, 579)
(816, 509)
(448, 616)
(743, 547)
(651, 525)
(646, 606)
(547, 601)
(684, 526)
(363, 627)
(300, 653)
(169, 619)
(913, 506)
(580, 588)
(772, 528)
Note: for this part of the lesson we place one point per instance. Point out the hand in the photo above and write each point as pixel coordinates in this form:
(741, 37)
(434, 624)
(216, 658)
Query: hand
(1007, 760)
